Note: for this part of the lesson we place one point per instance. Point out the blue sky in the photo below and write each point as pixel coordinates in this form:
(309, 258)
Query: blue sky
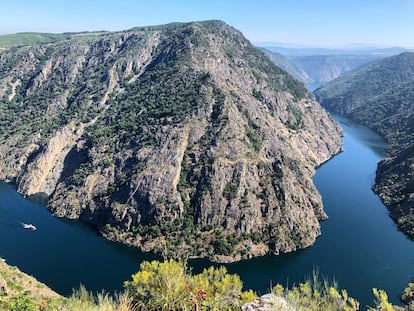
(303, 22)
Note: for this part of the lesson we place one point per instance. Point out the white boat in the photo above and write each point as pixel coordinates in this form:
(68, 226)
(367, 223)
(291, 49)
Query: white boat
(29, 226)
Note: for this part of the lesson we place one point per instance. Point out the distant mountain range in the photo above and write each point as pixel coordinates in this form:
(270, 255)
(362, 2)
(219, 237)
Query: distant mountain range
(315, 70)
(287, 64)
(358, 50)
(317, 66)
(381, 96)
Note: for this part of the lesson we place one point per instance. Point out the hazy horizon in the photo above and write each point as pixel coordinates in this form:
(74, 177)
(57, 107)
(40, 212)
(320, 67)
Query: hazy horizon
(318, 23)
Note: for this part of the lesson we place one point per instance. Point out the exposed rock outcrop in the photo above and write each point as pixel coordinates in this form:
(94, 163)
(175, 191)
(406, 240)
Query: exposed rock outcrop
(182, 139)
(269, 302)
(42, 174)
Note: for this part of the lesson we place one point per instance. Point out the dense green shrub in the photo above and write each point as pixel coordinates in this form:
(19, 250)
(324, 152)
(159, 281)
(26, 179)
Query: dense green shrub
(22, 302)
(254, 139)
(230, 191)
(169, 285)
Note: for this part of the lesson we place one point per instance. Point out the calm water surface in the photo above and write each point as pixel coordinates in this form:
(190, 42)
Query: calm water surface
(360, 245)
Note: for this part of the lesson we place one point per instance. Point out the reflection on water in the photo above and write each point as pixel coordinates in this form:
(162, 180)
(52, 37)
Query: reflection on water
(373, 141)
(360, 245)
(62, 254)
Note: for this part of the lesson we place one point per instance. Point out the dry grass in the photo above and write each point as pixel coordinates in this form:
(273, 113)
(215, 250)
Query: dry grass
(19, 282)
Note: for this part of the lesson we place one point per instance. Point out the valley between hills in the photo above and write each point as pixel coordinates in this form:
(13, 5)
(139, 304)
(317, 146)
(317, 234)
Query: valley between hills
(381, 96)
(182, 139)
(187, 141)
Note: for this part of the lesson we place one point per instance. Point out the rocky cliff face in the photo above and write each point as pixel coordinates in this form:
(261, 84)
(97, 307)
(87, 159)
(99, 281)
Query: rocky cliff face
(182, 139)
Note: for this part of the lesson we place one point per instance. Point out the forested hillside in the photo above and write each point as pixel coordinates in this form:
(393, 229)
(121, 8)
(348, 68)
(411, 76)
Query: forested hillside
(182, 139)
(318, 69)
(381, 96)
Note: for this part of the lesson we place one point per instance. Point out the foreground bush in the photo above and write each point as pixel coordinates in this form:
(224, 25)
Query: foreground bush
(408, 295)
(317, 294)
(82, 300)
(169, 286)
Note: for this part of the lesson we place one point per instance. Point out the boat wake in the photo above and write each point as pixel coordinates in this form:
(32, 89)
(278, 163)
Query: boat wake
(29, 226)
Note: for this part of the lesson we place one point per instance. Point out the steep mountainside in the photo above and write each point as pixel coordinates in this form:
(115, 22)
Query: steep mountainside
(182, 139)
(324, 68)
(287, 64)
(381, 96)
(314, 70)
